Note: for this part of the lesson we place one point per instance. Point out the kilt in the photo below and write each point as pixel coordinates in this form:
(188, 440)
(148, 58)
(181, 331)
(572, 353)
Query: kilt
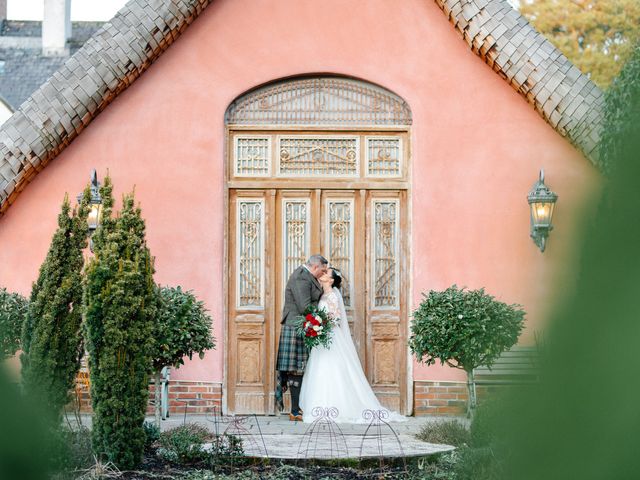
(292, 353)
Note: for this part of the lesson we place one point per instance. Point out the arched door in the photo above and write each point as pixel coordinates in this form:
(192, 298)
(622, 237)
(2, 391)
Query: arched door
(340, 190)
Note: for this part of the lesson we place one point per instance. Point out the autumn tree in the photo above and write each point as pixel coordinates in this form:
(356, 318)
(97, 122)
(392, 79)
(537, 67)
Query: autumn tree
(596, 35)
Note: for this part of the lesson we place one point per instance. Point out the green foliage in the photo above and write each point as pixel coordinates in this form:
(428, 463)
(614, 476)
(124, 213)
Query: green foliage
(25, 442)
(184, 444)
(596, 35)
(448, 432)
(182, 327)
(151, 434)
(226, 450)
(477, 464)
(583, 419)
(13, 309)
(463, 328)
(51, 337)
(72, 449)
(120, 307)
(622, 105)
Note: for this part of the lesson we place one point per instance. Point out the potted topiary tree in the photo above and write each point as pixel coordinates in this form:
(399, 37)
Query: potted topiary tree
(182, 328)
(464, 329)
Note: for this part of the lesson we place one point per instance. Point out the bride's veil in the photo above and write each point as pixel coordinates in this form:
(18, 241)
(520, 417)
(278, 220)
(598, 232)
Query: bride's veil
(344, 324)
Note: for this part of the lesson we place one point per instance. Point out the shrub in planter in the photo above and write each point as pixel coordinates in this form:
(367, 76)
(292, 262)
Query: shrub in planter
(464, 329)
(13, 308)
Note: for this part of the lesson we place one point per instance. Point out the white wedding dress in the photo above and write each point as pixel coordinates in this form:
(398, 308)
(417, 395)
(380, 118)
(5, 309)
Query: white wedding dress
(334, 377)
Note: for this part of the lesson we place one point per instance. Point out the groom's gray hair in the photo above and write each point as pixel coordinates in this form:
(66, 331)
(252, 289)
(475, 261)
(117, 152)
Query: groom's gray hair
(317, 260)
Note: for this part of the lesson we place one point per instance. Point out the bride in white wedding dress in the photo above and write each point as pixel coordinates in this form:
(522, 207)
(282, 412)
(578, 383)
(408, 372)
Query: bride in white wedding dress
(333, 376)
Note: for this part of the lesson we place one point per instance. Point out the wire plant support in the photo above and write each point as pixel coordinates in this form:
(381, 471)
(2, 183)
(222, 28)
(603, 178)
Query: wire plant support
(323, 439)
(378, 434)
(239, 426)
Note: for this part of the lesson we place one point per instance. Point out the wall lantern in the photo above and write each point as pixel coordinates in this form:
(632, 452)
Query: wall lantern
(541, 202)
(95, 205)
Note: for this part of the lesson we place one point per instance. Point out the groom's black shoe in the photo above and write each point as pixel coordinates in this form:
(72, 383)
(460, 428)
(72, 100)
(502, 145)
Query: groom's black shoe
(295, 418)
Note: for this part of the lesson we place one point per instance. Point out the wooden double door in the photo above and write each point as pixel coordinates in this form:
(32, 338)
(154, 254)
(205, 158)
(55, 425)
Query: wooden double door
(271, 232)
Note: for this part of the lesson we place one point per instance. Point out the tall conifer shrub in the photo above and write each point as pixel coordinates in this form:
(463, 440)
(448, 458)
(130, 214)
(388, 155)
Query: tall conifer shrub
(51, 334)
(120, 306)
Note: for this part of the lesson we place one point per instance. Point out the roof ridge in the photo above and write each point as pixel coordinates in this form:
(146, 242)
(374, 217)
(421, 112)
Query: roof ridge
(564, 96)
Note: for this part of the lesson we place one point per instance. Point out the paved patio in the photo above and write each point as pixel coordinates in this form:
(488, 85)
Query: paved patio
(277, 437)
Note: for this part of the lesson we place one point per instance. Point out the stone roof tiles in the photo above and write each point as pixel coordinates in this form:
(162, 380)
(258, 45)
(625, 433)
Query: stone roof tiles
(85, 84)
(565, 97)
(140, 32)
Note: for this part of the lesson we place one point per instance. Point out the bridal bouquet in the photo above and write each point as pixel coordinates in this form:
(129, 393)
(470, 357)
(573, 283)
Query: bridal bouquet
(314, 326)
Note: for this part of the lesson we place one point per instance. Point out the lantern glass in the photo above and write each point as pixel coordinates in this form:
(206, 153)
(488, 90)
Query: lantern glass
(541, 213)
(94, 216)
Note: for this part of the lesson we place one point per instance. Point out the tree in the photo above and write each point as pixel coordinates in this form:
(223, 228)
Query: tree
(182, 327)
(120, 308)
(13, 308)
(621, 106)
(51, 336)
(596, 35)
(464, 329)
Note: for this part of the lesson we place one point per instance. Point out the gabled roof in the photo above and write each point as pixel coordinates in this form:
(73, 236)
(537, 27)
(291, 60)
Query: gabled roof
(141, 31)
(24, 67)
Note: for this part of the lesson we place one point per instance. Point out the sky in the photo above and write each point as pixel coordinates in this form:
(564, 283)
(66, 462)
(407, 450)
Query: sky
(80, 9)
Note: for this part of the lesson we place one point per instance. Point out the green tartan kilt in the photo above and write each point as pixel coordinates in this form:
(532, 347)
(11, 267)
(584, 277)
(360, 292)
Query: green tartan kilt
(292, 353)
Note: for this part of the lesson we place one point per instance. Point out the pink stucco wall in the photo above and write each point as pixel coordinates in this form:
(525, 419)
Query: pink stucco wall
(476, 151)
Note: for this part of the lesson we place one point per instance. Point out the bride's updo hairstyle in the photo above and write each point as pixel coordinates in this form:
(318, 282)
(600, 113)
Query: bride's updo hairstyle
(337, 277)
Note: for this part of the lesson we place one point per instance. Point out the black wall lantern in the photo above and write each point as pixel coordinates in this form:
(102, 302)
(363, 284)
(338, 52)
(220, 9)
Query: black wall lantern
(95, 205)
(541, 202)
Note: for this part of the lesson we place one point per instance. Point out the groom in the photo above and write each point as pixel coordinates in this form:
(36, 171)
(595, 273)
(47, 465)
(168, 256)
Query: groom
(303, 289)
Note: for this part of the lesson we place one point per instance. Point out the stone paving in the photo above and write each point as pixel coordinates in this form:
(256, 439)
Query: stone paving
(290, 440)
(277, 437)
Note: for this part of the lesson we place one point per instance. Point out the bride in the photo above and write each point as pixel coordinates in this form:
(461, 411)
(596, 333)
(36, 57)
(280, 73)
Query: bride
(334, 376)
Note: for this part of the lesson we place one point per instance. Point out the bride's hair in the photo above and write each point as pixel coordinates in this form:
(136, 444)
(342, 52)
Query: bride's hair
(337, 277)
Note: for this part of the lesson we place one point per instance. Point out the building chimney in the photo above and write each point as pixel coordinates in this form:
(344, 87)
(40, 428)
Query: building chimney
(56, 27)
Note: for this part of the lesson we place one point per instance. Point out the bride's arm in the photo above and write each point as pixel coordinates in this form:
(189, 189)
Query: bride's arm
(332, 302)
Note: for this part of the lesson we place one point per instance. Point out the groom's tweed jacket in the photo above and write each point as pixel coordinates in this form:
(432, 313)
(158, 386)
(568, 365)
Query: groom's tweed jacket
(303, 289)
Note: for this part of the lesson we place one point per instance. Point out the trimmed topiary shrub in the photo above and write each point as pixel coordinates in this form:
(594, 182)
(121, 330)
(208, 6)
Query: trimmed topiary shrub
(51, 337)
(13, 310)
(120, 307)
(464, 329)
(182, 327)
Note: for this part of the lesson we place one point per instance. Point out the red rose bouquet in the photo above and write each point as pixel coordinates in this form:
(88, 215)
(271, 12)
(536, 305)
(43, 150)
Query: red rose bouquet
(314, 326)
